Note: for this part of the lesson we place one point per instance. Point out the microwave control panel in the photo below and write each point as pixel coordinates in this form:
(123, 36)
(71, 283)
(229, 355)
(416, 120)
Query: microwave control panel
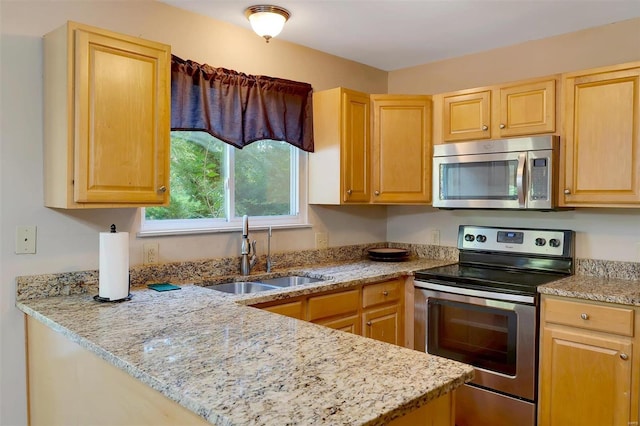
(539, 179)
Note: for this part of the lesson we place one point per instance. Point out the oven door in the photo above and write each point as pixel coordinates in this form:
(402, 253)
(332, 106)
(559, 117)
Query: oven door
(497, 337)
(494, 181)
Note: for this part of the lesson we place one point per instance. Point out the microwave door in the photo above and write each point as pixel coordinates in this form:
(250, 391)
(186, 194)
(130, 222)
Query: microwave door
(491, 181)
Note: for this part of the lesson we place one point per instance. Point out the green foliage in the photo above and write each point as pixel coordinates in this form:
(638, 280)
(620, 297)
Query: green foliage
(263, 184)
(262, 178)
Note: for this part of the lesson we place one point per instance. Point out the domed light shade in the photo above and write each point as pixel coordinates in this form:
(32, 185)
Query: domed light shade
(266, 20)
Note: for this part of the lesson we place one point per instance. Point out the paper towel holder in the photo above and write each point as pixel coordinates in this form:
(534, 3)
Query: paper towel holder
(97, 297)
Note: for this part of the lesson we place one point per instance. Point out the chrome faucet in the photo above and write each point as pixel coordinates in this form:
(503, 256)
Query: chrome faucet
(269, 261)
(248, 249)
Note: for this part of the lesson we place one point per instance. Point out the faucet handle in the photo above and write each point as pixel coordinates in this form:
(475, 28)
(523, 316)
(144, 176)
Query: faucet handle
(253, 247)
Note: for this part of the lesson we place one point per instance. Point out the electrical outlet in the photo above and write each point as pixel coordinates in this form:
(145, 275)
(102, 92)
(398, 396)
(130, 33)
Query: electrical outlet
(435, 237)
(25, 240)
(150, 253)
(322, 240)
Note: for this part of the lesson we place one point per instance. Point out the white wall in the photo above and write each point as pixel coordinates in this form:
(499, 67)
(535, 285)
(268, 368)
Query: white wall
(612, 234)
(68, 240)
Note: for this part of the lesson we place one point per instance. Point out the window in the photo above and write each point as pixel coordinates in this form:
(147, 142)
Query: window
(214, 184)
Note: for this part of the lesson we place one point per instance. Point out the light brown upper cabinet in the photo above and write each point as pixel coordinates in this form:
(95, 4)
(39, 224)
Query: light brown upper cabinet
(339, 166)
(370, 148)
(107, 118)
(401, 149)
(601, 155)
(519, 109)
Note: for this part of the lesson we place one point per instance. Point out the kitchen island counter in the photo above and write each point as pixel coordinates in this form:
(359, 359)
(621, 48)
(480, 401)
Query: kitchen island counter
(236, 365)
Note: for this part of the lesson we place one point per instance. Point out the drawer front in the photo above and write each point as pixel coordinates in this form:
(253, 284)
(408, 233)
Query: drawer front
(388, 291)
(334, 304)
(292, 309)
(609, 319)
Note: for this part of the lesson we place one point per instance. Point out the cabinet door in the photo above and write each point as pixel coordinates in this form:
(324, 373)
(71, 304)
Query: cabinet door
(122, 95)
(350, 324)
(384, 324)
(602, 139)
(401, 146)
(585, 379)
(528, 109)
(467, 116)
(355, 148)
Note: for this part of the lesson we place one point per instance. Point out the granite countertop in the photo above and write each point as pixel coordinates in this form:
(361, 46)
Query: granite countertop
(612, 290)
(237, 365)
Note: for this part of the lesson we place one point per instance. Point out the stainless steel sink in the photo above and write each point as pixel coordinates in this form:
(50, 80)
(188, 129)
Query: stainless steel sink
(242, 287)
(289, 281)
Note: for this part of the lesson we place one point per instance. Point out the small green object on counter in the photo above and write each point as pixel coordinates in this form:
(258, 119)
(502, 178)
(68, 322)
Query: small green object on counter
(163, 287)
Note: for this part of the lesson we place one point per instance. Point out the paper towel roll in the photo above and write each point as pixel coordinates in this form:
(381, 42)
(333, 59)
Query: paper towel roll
(113, 281)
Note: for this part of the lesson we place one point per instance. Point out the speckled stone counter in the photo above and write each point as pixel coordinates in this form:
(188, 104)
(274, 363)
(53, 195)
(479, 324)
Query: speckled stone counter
(612, 290)
(236, 365)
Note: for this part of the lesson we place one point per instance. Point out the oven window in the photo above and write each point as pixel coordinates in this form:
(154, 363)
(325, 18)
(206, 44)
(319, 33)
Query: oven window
(490, 180)
(482, 336)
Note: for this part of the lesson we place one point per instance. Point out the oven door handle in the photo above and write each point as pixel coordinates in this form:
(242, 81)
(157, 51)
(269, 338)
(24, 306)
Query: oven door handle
(450, 287)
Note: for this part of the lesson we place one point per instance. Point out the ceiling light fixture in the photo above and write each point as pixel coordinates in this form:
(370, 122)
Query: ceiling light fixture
(266, 20)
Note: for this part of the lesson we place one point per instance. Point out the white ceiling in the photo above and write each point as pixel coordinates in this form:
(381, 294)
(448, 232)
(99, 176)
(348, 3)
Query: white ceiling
(395, 34)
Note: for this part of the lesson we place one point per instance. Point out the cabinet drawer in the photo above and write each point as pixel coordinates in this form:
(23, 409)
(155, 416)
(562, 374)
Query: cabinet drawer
(292, 309)
(610, 319)
(329, 305)
(388, 291)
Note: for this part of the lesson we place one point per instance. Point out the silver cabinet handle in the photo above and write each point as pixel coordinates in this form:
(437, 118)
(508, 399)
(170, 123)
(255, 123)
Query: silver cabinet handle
(485, 128)
(624, 356)
(369, 323)
(502, 126)
(162, 189)
(584, 316)
(376, 192)
(349, 192)
(385, 293)
(567, 191)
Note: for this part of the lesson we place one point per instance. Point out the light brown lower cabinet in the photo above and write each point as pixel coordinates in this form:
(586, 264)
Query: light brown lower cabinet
(589, 363)
(295, 309)
(371, 310)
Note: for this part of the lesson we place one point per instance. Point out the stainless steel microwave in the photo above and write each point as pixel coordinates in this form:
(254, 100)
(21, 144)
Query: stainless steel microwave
(518, 173)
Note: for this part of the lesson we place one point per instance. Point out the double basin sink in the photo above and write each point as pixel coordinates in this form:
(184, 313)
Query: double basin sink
(258, 285)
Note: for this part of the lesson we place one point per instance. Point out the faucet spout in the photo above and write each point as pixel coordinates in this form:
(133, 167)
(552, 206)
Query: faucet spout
(247, 262)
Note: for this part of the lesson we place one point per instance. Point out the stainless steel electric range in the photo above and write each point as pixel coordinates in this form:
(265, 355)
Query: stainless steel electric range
(483, 311)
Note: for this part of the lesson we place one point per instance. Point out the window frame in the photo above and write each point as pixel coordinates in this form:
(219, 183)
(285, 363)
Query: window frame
(299, 191)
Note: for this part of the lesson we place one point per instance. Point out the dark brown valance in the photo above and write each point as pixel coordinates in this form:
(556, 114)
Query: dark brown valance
(238, 108)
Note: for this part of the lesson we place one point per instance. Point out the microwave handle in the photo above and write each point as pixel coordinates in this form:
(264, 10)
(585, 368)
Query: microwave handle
(522, 161)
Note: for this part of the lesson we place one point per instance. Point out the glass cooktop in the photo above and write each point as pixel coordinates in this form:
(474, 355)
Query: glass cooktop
(489, 279)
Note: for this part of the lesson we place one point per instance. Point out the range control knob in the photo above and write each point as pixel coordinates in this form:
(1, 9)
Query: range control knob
(554, 242)
(540, 241)
(469, 237)
(481, 238)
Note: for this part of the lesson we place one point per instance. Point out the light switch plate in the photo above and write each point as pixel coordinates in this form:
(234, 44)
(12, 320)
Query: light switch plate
(25, 240)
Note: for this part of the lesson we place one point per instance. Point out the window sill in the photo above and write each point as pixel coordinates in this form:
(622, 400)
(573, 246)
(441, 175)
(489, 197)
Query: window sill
(197, 231)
